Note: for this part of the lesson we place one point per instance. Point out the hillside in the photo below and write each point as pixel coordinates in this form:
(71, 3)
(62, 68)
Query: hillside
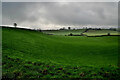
(88, 32)
(48, 55)
(63, 32)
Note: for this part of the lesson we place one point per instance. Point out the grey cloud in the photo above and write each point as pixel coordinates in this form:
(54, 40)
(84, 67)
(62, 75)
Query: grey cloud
(60, 13)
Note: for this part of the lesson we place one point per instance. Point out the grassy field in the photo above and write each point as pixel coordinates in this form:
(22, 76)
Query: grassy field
(64, 32)
(79, 31)
(101, 32)
(31, 54)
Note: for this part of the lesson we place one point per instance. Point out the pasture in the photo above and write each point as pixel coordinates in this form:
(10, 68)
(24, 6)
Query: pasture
(32, 54)
(63, 32)
(79, 31)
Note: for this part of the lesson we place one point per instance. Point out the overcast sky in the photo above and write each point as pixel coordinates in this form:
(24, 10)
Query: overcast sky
(55, 15)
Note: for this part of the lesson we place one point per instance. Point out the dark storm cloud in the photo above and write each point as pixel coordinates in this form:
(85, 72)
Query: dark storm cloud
(60, 13)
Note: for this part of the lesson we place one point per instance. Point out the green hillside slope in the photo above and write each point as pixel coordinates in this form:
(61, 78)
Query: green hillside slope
(47, 55)
(64, 32)
(101, 32)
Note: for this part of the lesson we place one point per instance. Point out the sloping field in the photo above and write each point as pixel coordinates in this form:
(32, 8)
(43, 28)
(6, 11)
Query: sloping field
(101, 32)
(31, 54)
(79, 31)
(64, 32)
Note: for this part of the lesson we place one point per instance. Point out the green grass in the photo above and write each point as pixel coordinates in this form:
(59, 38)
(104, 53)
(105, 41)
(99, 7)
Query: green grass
(34, 54)
(64, 32)
(101, 32)
(79, 31)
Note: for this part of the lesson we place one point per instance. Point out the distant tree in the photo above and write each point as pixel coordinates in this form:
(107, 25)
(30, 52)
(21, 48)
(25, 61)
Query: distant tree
(99, 28)
(73, 28)
(69, 28)
(15, 24)
(39, 30)
(112, 29)
(70, 34)
(90, 28)
(62, 28)
(108, 34)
